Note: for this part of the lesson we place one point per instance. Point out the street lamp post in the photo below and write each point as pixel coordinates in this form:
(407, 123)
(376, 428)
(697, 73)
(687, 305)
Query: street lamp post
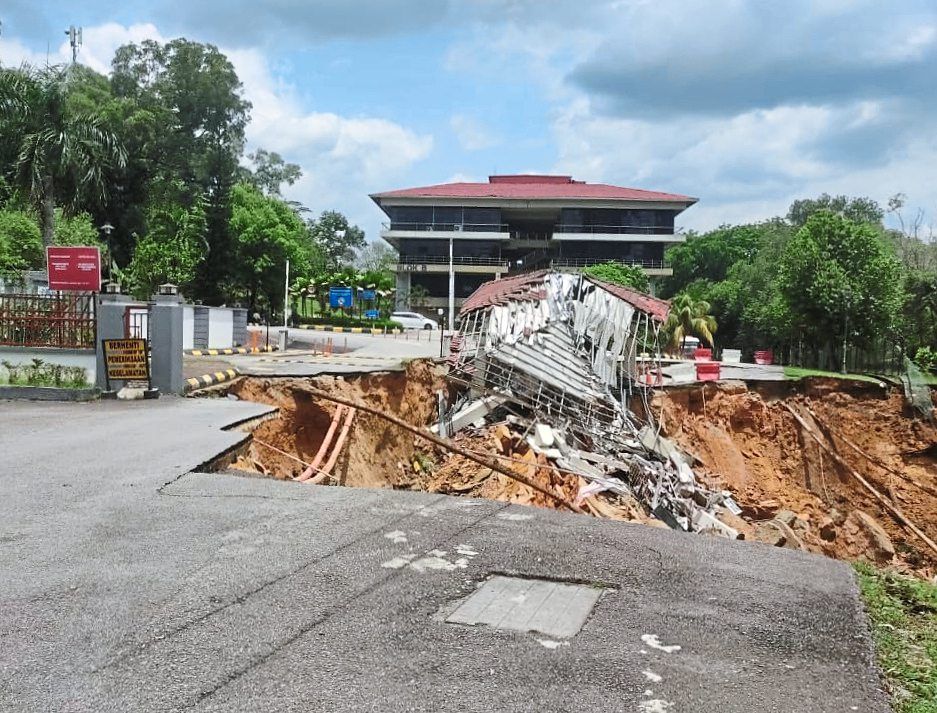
(440, 312)
(107, 228)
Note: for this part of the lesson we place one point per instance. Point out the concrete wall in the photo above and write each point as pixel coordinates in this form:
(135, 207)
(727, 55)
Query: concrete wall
(213, 327)
(188, 327)
(220, 328)
(66, 357)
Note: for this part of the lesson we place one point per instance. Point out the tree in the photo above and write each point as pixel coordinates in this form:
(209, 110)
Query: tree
(336, 239)
(417, 296)
(836, 274)
(859, 210)
(376, 256)
(171, 250)
(20, 243)
(915, 244)
(61, 155)
(269, 171)
(76, 230)
(920, 311)
(710, 255)
(620, 274)
(266, 232)
(197, 95)
(689, 317)
(145, 178)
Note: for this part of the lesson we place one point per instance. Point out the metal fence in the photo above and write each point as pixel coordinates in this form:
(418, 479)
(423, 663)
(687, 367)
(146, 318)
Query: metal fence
(590, 261)
(885, 358)
(54, 320)
(456, 260)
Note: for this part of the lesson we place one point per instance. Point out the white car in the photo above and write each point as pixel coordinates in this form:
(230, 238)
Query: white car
(414, 320)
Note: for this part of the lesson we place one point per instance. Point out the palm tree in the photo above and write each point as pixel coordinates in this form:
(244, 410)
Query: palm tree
(58, 150)
(689, 317)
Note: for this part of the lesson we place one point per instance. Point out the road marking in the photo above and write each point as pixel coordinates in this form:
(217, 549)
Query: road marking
(654, 642)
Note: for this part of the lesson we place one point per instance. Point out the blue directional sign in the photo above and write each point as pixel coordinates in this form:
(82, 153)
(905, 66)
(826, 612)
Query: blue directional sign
(368, 295)
(372, 313)
(340, 297)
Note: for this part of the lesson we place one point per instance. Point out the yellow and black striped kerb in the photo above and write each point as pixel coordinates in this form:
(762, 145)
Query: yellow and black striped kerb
(200, 382)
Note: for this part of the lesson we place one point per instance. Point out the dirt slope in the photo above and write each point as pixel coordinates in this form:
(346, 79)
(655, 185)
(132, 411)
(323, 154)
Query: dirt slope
(748, 443)
(376, 448)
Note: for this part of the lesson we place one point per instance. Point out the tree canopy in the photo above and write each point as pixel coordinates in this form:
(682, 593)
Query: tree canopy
(828, 273)
(156, 149)
(265, 234)
(620, 274)
(336, 240)
(61, 156)
(835, 271)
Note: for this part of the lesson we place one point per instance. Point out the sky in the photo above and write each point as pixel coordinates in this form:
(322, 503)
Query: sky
(747, 105)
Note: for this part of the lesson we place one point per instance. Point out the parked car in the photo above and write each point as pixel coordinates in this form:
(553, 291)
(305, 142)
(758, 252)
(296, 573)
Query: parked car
(414, 320)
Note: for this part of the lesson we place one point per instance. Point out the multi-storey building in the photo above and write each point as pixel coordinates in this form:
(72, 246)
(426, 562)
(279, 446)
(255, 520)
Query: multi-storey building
(520, 223)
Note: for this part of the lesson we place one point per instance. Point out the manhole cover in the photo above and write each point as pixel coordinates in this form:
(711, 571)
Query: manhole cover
(552, 608)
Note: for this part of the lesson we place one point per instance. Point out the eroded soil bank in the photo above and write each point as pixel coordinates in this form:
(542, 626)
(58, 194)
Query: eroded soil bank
(376, 455)
(746, 441)
(792, 492)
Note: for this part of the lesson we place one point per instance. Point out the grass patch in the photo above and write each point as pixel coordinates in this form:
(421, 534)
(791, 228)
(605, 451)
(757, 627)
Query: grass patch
(796, 372)
(903, 611)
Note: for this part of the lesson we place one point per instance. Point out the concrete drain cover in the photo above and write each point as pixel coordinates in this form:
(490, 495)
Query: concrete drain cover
(552, 608)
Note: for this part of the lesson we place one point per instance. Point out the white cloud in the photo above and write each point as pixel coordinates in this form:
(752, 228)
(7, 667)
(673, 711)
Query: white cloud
(745, 167)
(343, 158)
(471, 133)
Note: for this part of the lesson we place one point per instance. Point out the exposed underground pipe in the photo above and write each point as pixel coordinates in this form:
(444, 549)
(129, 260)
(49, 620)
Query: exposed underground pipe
(326, 442)
(327, 468)
(446, 445)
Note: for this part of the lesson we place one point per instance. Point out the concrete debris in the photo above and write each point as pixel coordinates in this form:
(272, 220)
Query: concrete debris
(564, 354)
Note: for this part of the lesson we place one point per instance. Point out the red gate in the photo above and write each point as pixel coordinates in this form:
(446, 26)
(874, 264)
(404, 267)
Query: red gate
(64, 320)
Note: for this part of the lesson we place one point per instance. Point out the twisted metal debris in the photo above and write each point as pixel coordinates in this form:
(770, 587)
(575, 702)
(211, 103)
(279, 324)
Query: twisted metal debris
(573, 353)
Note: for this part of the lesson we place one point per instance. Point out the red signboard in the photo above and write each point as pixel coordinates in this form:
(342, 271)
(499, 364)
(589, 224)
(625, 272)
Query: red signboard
(74, 268)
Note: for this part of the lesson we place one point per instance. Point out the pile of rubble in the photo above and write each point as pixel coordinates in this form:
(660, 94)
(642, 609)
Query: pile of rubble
(543, 371)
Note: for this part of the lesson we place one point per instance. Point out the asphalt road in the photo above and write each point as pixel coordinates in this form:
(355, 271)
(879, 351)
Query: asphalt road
(365, 353)
(127, 584)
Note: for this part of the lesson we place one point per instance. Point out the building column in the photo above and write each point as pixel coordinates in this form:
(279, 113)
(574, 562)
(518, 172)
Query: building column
(401, 298)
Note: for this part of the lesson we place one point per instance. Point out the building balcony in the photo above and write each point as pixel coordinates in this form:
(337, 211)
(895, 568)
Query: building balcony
(618, 233)
(654, 268)
(460, 263)
(392, 232)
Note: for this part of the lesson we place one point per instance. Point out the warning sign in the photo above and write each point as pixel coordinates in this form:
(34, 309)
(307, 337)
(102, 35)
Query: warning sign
(126, 359)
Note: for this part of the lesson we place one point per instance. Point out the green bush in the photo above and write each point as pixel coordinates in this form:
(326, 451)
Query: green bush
(39, 373)
(926, 358)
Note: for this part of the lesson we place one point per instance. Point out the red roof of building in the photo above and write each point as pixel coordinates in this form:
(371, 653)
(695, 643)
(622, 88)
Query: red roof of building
(524, 187)
(528, 287)
(658, 309)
